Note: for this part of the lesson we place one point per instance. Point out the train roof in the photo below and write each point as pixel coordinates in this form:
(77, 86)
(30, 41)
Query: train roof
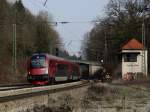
(53, 57)
(87, 62)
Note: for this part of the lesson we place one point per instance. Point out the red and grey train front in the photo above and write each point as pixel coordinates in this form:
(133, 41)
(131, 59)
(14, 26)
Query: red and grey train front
(38, 69)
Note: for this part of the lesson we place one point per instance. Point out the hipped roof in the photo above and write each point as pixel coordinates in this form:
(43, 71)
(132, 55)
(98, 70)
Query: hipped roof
(133, 44)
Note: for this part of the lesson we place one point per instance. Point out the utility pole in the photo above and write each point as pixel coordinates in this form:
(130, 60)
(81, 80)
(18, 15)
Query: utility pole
(14, 58)
(143, 43)
(105, 50)
(144, 66)
(51, 49)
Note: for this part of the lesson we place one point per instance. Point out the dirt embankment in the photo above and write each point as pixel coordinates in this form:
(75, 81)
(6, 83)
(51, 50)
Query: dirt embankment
(102, 98)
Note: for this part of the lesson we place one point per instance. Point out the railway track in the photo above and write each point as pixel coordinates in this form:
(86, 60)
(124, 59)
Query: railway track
(18, 100)
(135, 85)
(14, 86)
(26, 85)
(9, 93)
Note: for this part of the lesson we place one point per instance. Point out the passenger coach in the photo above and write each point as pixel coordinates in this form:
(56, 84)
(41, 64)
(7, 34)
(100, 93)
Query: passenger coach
(46, 69)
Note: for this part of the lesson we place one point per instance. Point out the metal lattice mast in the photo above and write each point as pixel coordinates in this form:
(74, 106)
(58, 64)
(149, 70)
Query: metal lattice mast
(14, 58)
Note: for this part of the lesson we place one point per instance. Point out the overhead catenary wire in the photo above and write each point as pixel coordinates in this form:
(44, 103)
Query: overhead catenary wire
(45, 2)
(39, 4)
(55, 22)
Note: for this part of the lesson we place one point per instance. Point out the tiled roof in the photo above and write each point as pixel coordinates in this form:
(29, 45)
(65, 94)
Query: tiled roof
(133, 44)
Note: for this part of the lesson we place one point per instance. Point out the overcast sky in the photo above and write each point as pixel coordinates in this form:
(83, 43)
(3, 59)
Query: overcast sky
(75, 11)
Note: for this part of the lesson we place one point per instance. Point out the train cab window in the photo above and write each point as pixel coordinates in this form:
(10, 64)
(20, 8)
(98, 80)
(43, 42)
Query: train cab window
(38, 61)
(62, 69)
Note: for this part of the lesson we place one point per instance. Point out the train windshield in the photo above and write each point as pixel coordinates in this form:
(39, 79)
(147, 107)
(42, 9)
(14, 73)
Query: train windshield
(38, 61)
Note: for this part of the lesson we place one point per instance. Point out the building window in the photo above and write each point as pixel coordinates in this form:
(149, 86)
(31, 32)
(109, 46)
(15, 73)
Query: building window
(130, 57)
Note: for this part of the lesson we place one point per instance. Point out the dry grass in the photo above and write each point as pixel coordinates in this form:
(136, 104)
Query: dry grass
(104, 97)
(62, 104)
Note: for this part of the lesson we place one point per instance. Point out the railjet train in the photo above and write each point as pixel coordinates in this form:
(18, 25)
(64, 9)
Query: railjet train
(46, 69)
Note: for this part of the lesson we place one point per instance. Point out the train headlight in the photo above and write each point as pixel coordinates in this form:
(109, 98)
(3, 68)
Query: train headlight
(46, 71)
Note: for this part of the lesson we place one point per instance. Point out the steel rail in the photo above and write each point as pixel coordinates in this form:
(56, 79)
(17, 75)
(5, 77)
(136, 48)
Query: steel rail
(25, 85)
(13, 94)
(133, 85)
(14, 84)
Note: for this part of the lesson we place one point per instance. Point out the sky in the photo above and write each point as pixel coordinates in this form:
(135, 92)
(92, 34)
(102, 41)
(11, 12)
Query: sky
(79, 12)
